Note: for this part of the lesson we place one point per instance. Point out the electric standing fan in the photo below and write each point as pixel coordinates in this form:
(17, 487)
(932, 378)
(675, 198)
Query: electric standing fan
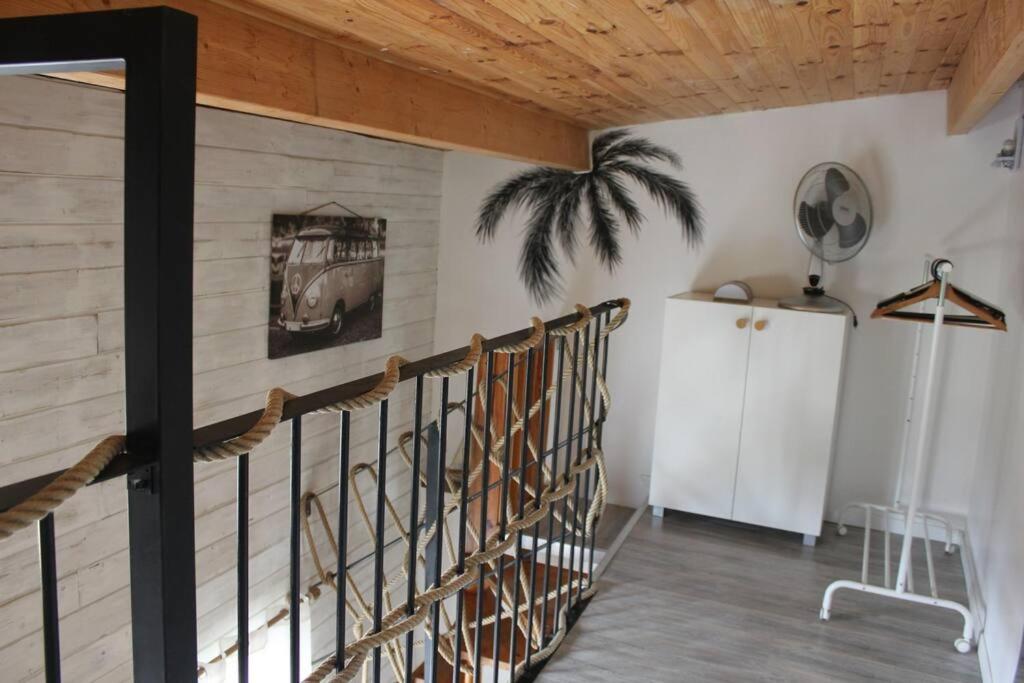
(832, 211)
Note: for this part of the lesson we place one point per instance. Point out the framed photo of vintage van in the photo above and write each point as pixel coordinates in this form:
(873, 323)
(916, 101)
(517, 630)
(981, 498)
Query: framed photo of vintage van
(326, 282)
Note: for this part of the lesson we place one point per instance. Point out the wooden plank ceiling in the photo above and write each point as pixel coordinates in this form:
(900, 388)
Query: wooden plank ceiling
(527, 79)
(601, 63)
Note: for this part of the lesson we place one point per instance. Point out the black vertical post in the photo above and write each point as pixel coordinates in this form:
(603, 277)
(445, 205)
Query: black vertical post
(432, 551)
(158, 46)
(506, 462)
(524, 454)
(159, 166)
(295, 548)
(460, 560)
(581, 387)
(242, 569)
(48, 585)
(599, 424)
(569, 437)
(341, 577)
(555, 480)
(414, 522)
(434, 518)
(596, 406)
(539, 488)
(484, 486)
(378, 554)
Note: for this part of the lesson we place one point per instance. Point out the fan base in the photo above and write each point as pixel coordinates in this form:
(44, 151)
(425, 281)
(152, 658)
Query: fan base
(814, 302)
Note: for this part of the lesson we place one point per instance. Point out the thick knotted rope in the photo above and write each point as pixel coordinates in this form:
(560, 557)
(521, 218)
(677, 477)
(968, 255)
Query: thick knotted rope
(531, 342)
(374, 396)
(256, 435)
(80, 475)
(271, 416)
(51, 496)
(476, 349)
(585, 317)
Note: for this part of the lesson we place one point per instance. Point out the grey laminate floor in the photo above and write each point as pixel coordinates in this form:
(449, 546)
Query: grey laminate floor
(693, 599)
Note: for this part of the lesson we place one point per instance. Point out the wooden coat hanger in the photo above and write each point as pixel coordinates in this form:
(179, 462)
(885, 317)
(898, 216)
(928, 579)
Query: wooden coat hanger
(985, 315)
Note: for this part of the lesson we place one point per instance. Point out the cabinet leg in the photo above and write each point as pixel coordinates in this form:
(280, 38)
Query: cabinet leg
(657, 511)
(810, 540)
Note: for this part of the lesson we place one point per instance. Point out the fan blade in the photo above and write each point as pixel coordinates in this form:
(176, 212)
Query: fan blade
(835, 184)
(850, 235)
(815, 221)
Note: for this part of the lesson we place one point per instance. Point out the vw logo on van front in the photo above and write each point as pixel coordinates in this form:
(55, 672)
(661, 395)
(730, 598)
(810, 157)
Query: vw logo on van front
(296, 284)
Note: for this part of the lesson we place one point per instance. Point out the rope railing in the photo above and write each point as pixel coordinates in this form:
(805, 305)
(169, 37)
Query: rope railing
(280, 405)
(399, 620)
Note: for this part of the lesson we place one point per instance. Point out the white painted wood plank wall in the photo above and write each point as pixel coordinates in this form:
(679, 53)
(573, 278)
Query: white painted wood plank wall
(61, 334)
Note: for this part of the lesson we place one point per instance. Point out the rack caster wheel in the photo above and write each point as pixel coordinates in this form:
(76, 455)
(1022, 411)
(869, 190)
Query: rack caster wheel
(963, 646)
(841, 530)
(824, 615)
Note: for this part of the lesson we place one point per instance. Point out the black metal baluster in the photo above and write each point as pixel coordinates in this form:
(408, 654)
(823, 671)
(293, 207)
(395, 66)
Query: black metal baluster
(48, 586)
(467, 438)
(565, 477)
(503, 509)
(294, 572)
(242, 563)
(341, 577)
(414, 522)
(523, 456)
(435, 552)
(599, 424)
(553, 468)
(595, 404)
(538, 488)
(378, 555)
(580, 386)
(484, 485)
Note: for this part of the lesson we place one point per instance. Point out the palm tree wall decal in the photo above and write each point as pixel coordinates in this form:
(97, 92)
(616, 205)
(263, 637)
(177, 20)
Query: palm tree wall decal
(555, 198)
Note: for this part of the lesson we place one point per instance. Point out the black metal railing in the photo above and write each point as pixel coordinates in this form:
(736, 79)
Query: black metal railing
(556, 561)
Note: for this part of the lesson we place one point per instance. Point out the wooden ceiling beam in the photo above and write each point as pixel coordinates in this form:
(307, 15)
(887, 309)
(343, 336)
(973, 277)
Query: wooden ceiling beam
(991, 64)
(423, 34)
(255, 66)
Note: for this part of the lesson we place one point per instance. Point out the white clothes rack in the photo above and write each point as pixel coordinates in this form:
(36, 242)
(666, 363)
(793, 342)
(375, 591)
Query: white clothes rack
(904, 589)
(896, 508)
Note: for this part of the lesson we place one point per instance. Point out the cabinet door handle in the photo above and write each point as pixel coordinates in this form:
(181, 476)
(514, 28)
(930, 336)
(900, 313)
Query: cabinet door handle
(742, 323)
(760, 325)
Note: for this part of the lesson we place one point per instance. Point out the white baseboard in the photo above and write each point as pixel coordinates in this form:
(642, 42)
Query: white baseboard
(613, 548)
(976, 603)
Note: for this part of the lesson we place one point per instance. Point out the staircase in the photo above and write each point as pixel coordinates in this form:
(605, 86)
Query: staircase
(547, 609)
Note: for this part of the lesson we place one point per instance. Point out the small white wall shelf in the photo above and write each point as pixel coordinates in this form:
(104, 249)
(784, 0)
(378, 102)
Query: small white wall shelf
(746, 414)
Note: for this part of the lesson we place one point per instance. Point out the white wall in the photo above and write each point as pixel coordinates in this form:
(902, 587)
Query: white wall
(61, 335)
(996, 506)
(931, 193)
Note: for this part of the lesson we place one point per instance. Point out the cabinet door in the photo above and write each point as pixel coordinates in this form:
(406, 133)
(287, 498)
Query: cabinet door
(700, 400)
(789, 415)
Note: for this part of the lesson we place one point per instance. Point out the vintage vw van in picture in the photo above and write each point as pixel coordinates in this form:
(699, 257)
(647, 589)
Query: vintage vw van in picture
(330, 271)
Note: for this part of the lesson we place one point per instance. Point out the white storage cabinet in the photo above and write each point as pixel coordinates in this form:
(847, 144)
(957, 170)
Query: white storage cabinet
(746, 417)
